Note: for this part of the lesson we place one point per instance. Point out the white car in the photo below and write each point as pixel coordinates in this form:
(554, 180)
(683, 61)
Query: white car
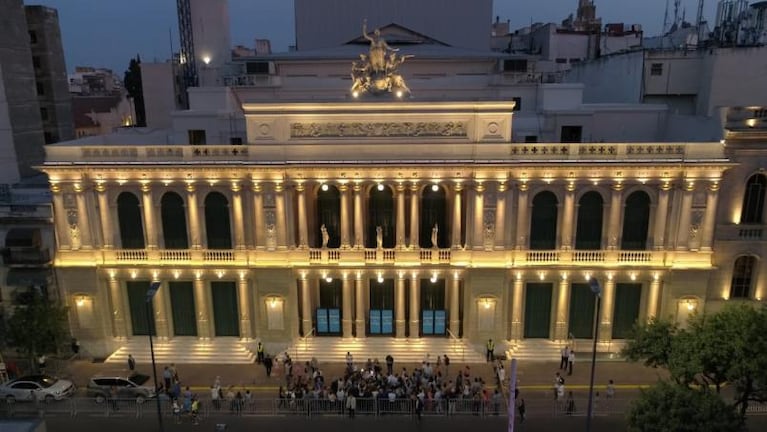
(36, 387)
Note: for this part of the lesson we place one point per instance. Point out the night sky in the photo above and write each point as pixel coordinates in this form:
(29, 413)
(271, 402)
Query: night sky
(107, 33)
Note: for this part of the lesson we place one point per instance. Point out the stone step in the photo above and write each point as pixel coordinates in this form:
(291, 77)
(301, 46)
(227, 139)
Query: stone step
(333, 349)
(184, 350)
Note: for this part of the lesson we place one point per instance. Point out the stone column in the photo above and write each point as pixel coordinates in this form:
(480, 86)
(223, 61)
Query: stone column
(359, 301)
(455, 317)
(344, 190)
(479, 211)
(346, 301)
(500, 216)
(243, 298)
(608, 307)
(415, 209)
(523, 225)
(399, 303)
(60, 217)
(237, 217)
(568, 218)
(359, 229)
(86, 241)
(683, 234)
(456, 240)
(150, 227)
(281, 217)
(194, 216)
(160, 308)
(661, 215)
(119, 325)
(415, 306)
(306, 306)
(400, 216)
(516, 307)
(303, 232)
(107, 232)
(653, 297)
(258, 216)
(709, 219)
(616, 205)
(201, 306)
(563, 301)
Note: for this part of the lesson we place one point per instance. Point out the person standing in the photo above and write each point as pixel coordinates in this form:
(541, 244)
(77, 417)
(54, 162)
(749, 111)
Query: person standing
(75, 345)
(268, 364)
(446, 361)
(131, 363)
(41, 363)
(389, 364)
(490, 350)
(166, 377)
(260, 353)
(522, 410)
(565, 354)
(570, 361)
(351, 404)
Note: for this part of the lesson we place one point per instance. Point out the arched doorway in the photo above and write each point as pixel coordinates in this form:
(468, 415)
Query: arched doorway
(636, 220)
(217, 224)
(129, 220)
(380, 213)
(433, 206)
(173, 221)
(329, 215)
(543, 225)
(588, 234)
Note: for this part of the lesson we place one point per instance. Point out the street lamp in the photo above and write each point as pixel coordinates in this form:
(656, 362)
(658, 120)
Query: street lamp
(597, 290)
(153, 288)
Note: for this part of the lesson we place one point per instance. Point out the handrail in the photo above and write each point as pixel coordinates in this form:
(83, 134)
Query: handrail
(304, 338)
(456, 340)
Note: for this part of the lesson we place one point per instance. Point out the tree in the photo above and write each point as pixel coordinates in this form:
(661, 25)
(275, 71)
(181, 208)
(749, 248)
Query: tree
(651, 342)
(135, 89)
(677, 408)
(38, 326)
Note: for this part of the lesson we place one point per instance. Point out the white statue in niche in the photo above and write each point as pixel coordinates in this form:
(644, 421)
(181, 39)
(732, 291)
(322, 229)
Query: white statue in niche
(379, 237)
(435, 236)
(74, 235)
(325, 236)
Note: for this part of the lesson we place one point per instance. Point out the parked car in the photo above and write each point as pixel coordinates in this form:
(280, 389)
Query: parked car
(36, 387)
(130, 386)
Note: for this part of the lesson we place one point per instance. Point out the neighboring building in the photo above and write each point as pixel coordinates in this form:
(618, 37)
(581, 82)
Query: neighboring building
(90, 81)
(98, 115)
(160, 85)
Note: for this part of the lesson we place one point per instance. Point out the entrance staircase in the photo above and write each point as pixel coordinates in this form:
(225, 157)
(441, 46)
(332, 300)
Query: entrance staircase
(184, 350)
(541, 350)
(334, 349)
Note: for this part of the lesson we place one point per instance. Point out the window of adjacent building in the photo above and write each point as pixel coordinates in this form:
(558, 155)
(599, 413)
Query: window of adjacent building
(32, 37)
(217, 224)
(517, 103)
(196, 136)
(543, 226)
(40, 89)
(129, 221)
(656, 69)
(531, 138)
(636, 220)
(753, 200)
(44, 114)
(257, 68)
(173, 221)
(515, 65)
(588, 234)
(36, 63)
(561, 60)
(571, 134)
(742, 275)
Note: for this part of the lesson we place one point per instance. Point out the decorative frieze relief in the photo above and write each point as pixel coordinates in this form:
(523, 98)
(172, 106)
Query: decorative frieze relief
(655, 149)
(538, 150)
(378, 129)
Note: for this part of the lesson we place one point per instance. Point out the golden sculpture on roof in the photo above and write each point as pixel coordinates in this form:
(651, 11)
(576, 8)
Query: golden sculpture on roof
(377, 72)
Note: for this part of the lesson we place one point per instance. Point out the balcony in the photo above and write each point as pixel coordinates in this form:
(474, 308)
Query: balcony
(738, 232)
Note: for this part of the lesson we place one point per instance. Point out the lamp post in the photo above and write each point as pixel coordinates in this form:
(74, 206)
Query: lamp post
(597, 290)
(153, 287)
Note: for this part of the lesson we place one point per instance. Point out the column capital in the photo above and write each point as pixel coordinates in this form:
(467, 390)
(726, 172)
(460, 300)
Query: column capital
(713, 186)
(479, 187)
(300, 187)
(665, 186)
(617, 186)
(400, 187)
(414, 186)
(570, 186)
(256, 187)
(689, 186)
(357, 188)
(523, 186)
(502, 186)
(458, 186)
(146, 187)
(101, 186)
(56, 188)
(279, 187)
(236, 187)
(78, 187)
(343, 188)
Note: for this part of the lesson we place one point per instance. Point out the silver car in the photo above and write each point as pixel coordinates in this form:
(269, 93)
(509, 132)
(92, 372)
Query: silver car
(126, 386)
(36, 388)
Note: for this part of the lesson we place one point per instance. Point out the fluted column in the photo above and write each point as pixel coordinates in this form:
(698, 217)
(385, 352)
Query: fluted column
(615, 216)
(86, 240)
(359, 302)
(282, 216)
(523, 225)
(119, 325)
(516, 307)
(568, 217)
(160, 308)
(608, 307)
(306, 306)
(456, 240)
(661, 215)
(563, 301)
(415, 306)
(400, 322)
(346, 303)
(455, 317)
(258, 216)
(237, 217)
(359, 229)
(107, 234)
(653, 297)
(479, 211)
(709, 218)
(243, 298)
(60, 217)
(344, 190)
(201, 306)
(194, 216)
(149, 217)
(683, 234)
(500, 216)
(415, 208)
(400, 216)
(303, 232)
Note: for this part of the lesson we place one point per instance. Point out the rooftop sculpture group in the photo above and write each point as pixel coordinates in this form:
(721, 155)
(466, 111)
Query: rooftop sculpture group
(377, 72)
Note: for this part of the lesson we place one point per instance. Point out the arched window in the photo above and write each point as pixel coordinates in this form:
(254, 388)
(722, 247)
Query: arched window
(380, 213)
(217, 223)
(173, 221)
(433, 205)
(636, 220)
(588, 234)
(129, 219)
(753, 200)
(329, 214)
(543, 226)
(742, 277)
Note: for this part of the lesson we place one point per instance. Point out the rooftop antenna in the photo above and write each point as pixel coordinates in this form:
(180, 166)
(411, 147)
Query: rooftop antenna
(665, 21)
(676, 11)
(699, 21)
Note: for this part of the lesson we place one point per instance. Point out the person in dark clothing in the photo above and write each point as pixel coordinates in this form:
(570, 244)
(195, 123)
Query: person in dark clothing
(389, 364)
(521, 408)
(260, 352)
(268, 363)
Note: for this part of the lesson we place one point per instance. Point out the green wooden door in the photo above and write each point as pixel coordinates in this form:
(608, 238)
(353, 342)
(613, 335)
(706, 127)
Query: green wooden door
(626, 312)
(538, 310)
(137, 304)
(582, 305)
(182, 306)
(225, 315)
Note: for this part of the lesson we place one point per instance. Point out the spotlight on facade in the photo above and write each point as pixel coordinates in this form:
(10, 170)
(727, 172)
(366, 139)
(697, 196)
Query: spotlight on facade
(206, 60)
(355, 94)
(380, 187)
(433, 278)
(399, 93)
(328, 279)
(380, 279)
(690, 305)
(325, 187)
(434, 188)
(80, 301)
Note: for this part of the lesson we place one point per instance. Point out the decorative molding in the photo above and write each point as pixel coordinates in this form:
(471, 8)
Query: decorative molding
(655, 149)
(378, 129)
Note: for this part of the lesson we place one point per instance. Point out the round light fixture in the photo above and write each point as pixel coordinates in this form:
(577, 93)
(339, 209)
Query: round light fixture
(380, 187)
(325, 187)
(434, 188)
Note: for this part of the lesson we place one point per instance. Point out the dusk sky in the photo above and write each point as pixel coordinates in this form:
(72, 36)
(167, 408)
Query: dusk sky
(107, 33)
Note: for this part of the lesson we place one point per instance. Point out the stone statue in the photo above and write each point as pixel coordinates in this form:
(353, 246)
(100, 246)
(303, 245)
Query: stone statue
(377, 72)
(74, 235)
(379, 237)
(435, 236)
(325, 236)
(378, 48)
